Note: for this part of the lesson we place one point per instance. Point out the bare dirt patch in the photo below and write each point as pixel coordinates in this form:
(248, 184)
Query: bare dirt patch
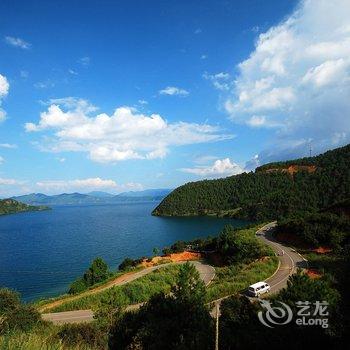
(313, 273)
(175, 257)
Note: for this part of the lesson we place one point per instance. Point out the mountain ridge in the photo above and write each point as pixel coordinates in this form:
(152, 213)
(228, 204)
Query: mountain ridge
(264, 194)
(94, 197)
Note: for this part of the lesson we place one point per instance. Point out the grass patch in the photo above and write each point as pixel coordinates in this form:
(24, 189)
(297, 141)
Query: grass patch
(42, 302)
(47, 337)
(232, 279)
(137, 291)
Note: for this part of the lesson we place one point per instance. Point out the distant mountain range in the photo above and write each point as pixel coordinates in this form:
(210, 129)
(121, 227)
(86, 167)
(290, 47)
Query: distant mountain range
(95, 197)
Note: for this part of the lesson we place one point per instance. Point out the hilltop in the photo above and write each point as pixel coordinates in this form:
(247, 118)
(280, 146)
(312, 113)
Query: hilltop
(11, 206)
(273, 191)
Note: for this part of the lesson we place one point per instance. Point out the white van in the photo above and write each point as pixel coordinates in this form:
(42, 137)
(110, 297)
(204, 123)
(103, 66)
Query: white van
(258, 288)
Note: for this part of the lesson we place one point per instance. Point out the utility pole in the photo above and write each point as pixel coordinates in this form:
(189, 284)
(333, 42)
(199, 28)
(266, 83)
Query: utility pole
(217, 327)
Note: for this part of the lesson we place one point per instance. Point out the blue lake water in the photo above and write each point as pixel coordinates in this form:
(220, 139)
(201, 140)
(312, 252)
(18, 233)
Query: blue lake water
(41, 253)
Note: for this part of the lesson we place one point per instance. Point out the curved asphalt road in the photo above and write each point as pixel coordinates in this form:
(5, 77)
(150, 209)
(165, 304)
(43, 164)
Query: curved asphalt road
(206, 273)
(289, 262)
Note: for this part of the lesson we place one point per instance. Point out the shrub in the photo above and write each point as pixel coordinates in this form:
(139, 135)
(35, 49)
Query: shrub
(127, 263)
(239, 245)
(75, 335)
(78, 286)
(23, 318)
(9, 300)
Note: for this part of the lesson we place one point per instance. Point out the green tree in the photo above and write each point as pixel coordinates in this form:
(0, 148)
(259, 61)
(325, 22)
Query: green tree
(126, 264)
(78, 286)
(156, 251)
(239, 324)
(178, 321)
(189, 286)
(97, 272)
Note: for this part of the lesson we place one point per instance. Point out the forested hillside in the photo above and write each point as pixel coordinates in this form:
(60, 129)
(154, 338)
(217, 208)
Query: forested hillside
(11, 206)
(270, 192)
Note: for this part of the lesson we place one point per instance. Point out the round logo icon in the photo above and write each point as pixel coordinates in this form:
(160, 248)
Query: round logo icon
(275, 315)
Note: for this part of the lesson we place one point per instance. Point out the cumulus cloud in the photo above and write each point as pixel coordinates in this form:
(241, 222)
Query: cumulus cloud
(17, 42)
(297, 79)
(126, 134)
(220, 81)
(173, 90)
(220, 168)
(4, 89)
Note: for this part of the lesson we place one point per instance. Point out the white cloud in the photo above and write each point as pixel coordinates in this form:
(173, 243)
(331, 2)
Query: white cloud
(24, 74)
(84, 185)
(72, 71)
(142, 102)
(7, 145)
(173, 90)
(90, 183)
(198, 31)
(329, 72)
(17, 42)
(84, 61)
(252, 163)
(4, 89)
(205, 159)
(44, 84)
(126, 134)
(220, 81)
(297, 79)
(4, 86)
(2, 160)
(9, 182)
(204, 57)
(220, 168)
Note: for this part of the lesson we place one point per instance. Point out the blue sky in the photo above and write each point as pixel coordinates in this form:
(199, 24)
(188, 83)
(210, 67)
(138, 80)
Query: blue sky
(127, 95)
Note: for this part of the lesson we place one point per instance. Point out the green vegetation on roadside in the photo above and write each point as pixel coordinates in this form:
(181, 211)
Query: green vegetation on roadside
(236, 278)
(179, 320)
(11, 206)
(134, 292)
(318, 229)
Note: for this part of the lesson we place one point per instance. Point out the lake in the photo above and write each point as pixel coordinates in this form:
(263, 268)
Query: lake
(41, 253)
